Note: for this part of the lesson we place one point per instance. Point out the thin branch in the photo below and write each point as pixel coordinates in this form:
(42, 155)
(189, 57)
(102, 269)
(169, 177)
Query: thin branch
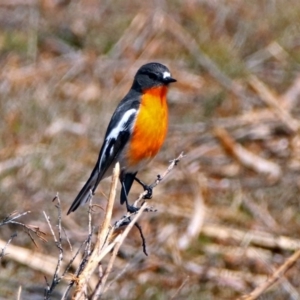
(278, 274)
(137, 225)
(105, 243)
(160, 178)
(58, 242)
(11, 219)
(8, 242)
(101, 247)
(79, 269)
(181, 287)
(118, 242)
(13, 216)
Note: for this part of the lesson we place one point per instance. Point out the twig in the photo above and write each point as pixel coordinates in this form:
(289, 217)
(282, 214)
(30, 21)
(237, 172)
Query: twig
(10, 219)
(101, 247)
(270, 99)
(19, 293)
(103, 234)
(13, 216)
(275, 277)
(137, 225)
(237, 280)
(160, 178)
(180, 288)
(104, 245)
(119, 241)
(86, 255)
(247, 158)
(88, 244)
(8, 242)
(197, 217)
(56, 279)
(255, 237)
(67, 238)
(79, 269)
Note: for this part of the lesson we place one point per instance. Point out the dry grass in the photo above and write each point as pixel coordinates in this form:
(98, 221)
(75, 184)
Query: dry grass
(228, 216)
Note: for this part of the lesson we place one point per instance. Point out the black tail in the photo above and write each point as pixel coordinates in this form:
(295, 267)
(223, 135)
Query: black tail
(126, 182)
(86, 192)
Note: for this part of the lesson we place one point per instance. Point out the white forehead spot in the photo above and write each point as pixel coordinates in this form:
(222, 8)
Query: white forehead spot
(166, 74)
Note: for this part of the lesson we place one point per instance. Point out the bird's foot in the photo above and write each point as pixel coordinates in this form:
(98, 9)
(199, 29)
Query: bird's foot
(131, 209)
(149, 191)
(146, 187)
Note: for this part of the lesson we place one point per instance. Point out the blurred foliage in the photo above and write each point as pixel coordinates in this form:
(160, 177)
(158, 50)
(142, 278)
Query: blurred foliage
(64, 67)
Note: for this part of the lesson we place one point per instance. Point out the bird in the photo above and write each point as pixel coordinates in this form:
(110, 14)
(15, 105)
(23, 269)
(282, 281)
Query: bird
(134, 135)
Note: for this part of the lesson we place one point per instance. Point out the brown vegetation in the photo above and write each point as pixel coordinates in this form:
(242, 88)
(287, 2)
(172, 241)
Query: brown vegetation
(227, 217)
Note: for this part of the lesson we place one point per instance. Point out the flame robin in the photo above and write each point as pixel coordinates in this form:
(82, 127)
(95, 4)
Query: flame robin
(135, 133)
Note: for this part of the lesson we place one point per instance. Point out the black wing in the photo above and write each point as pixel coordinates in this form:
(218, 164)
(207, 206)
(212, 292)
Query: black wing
(116, 138)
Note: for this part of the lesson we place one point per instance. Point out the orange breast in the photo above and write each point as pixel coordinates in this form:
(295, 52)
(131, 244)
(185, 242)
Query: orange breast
(150, 127)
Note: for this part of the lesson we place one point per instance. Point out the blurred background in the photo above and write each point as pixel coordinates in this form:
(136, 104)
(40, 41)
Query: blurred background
(228, 215)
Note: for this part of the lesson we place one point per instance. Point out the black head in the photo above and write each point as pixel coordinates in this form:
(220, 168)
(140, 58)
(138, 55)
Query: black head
(152, 75)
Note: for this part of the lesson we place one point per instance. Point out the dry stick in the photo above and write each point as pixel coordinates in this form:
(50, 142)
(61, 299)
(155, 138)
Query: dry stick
(87, 253)
(88, 244)
(78, 270)
(99, 251)
(255, 237)
(56, 279)
(275, 277)
(290, 97)
(102, 236)
(32, 259)
(10, 219)
(265, 217)
(247, 158)
(181, 287)
(2, 253)
(19, 293)
(101, 288)
(102, 247)
(267, 96)
(13, 216)
(222, 275)
(126, 219)
(160, 178)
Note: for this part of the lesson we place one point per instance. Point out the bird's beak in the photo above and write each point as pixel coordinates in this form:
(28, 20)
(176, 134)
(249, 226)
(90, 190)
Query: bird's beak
(167, 78)
(171, 79)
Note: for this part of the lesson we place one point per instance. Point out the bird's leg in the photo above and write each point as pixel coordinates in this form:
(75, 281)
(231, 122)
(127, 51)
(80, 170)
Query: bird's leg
(146, 187)
(131, 209)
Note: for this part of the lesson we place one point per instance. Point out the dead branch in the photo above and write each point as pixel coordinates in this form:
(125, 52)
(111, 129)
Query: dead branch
(58, 242)
(197, 218)
(289, 99)
(278, 274)
(247, 158)
(160, 178)
(269, 98)
(29, 229)
(237, 280)
(106, 241)
(102, 240)
(32, 259)
(254, 237)
(2, 253)
(119, 241)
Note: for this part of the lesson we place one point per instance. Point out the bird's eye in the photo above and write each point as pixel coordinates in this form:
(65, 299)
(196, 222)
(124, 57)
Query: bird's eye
(152, 76)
